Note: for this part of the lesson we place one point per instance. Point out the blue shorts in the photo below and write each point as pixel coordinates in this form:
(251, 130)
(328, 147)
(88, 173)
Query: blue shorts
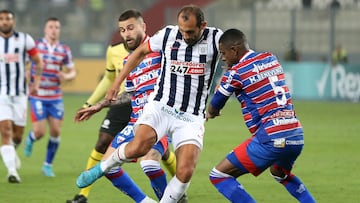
(254, 157)
(42, 109)
(127, 134)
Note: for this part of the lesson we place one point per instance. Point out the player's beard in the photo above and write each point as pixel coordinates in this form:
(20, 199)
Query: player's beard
(134, 45)
(6, 29)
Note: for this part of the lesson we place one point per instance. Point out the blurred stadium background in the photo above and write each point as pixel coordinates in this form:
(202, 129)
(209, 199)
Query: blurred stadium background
(313, 27)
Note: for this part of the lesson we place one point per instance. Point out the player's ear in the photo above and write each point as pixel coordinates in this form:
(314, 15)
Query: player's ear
(144, 27)
(203, 25)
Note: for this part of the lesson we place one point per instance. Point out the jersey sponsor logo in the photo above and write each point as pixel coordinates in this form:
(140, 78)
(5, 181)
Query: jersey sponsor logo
(187, 68)
(141, 100)
(147, 77)
(284, 121)
(179, 115)
(283, 114)
(8, 58)
(267, 74)
(263, 66)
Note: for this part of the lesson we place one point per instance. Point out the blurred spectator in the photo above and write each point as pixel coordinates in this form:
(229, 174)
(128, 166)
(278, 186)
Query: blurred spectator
(292, 54)
(335, 4)
(306, 4)
(96, 9)
(339, 55)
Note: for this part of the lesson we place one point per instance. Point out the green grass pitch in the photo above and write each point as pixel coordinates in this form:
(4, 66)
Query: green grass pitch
(328, 165)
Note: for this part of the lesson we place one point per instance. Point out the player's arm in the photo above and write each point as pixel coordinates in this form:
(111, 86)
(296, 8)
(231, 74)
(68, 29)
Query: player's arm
(134, 60)
(69, 75)
(217, 103)
(106, 81)
(86, 113)
(39, 66)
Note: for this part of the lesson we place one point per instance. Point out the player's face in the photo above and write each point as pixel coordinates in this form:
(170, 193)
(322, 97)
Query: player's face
(132, 31)
(229, 54)
(189, 30)
(7, 23)
(52, 30)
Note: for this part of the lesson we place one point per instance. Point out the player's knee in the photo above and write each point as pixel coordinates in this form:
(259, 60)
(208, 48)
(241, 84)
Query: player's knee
(279, 178)
(149, 165)
(103, 142)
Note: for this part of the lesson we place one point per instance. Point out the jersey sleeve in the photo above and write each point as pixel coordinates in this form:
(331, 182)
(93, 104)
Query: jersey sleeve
(116, 56)
(30, 45)
(106, 81)
(156, 41)
(230, 83)
(68, 59)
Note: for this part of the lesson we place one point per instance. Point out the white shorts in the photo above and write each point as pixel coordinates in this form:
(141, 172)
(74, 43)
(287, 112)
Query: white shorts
(14, 108)
(182, 127)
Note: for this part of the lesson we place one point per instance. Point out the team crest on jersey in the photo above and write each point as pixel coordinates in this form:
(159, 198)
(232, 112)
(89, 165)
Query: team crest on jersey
(203, 49)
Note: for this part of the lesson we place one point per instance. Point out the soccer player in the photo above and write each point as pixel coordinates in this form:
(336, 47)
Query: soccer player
(47, 105)
(117, 116)
(258, 82)
(140, 83)
(132, 28)
(177, 105)
(15, 46)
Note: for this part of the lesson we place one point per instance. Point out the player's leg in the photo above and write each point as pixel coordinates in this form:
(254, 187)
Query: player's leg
(169, 161)
(139, 146)
(38, 114)
(117, 176)
(150, 164)
(238, 162)
(53, 145)
(281, 170)
(13, 116)
(115, 120)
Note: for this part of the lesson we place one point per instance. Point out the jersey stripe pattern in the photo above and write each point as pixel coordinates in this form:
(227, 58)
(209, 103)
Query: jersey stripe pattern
(141, 82)
(187, 71)
(54, 58)
(13, 55)
(258, 83)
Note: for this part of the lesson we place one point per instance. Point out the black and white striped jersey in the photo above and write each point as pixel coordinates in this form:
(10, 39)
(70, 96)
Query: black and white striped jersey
(187, 71)
(13, 55)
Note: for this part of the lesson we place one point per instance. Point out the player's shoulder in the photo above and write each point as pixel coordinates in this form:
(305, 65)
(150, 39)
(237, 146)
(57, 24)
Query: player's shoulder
(118, 48)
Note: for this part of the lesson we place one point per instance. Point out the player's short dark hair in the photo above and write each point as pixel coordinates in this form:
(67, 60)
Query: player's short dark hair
(232, 37)
(52, 19)
(191, 9)
(132, 13)
(7, 12)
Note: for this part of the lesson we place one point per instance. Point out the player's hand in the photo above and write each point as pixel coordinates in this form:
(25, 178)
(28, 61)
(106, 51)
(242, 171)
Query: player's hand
(212, 115)
(33, 89)
(86, 113)
(111, 94)
(78, 114)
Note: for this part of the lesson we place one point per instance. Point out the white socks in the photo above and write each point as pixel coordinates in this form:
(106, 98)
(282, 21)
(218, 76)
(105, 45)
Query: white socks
(8, 154)
(116, 158)
(174, 190)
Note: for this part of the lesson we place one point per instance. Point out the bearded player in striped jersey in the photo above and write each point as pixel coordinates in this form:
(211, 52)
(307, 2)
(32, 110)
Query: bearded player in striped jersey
(177, 105)
(140, 82)
(257, 80)
(14, 48)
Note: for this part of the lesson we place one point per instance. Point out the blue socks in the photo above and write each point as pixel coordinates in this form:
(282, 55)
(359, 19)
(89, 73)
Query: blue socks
(229, 187)
(297, 189)
(52, 147)
(121, 180)
(156, 175)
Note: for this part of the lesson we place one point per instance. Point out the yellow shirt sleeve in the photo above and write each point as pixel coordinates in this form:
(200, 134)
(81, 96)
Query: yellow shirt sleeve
(114, 63)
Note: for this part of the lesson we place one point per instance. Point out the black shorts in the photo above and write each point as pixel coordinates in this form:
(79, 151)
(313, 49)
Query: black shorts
(117, 117)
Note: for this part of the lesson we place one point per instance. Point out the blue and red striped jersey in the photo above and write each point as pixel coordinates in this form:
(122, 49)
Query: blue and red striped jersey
(54, 58)
(258, 83)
